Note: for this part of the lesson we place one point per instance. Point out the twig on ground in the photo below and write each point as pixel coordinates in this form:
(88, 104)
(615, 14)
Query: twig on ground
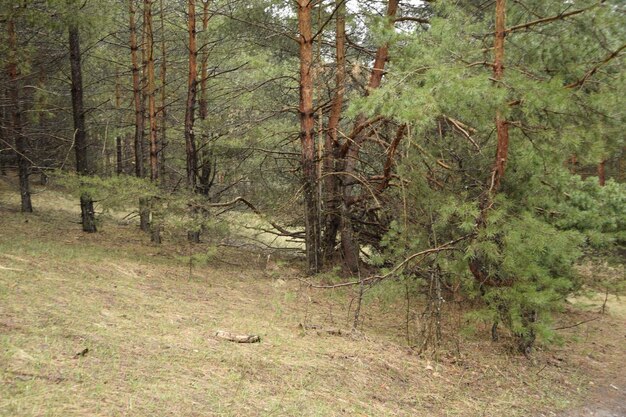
(575, 325)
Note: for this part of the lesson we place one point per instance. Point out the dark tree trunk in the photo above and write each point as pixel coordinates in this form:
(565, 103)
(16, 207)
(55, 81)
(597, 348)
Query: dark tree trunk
(206, 170)
(87, 213)
(144, 214)
(332, 199)
(151, 89)
(204, 73)
(139, 120)
(3, 137)
(119, 156)
(155, 234)
(193, 236)
(307, 126)
(78, 109)
(190, 105)
(207, 173)
(80, 132)
(23, 164)
(155, 228)
(163, 94)
(190, 109)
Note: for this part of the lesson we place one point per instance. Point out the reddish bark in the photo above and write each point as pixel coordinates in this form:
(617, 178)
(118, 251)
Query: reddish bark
(391, 153)
(602, 173)
(502, 127)
(307, 126)
(204, 72)
(151, 89)
(163, 110)
(382, 53)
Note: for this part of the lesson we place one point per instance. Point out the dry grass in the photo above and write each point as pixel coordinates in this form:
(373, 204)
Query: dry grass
(148, 326)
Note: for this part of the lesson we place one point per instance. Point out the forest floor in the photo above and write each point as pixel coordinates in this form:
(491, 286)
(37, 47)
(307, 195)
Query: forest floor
(109, 325)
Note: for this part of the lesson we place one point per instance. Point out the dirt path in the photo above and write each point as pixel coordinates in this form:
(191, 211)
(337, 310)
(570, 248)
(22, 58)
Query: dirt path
(605, 402)
(604, 360)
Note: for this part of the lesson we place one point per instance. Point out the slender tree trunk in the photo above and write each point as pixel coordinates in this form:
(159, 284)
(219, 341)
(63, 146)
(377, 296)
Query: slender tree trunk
(332, 200)
(144, 214)
(502, 132)
(80, 132)
(3, 135)
(602, 173)
(119, 156)
(148, 207)
(502, 126)
(139, 120)
(119, 151)
(204, 73)
(151, 89)
(190, 108)
(23, 165)
(163, 94)
(206, 168)
(349, 245)
(307, 126)
(142, 96)
(192, 83)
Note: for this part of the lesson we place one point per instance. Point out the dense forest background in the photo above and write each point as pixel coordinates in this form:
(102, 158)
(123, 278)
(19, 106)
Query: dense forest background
(468, 150)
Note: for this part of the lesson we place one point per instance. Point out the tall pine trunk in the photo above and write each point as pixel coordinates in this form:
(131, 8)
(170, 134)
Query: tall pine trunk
(192, 85)
(190, 108)
(307, 140)
(154, 225)
(204, 72)
(332, 199)
(151, 90)
(206, 172)
(138, 99)
(502, 126)
(163, 110)
(139, 120)
(80, 132)
(23, 165)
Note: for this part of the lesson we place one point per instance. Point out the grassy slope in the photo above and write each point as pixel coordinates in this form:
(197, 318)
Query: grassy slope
(148, 326)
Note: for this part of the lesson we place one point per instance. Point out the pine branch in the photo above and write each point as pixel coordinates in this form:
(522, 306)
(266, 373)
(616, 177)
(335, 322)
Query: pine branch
(411, 19)
(595, 69)
(559, 16)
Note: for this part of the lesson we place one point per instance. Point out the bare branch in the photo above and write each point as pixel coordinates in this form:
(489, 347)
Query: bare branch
(377, 278)
(595, 69)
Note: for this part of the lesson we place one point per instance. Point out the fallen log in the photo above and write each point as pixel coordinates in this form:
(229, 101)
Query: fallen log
(239, 338)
